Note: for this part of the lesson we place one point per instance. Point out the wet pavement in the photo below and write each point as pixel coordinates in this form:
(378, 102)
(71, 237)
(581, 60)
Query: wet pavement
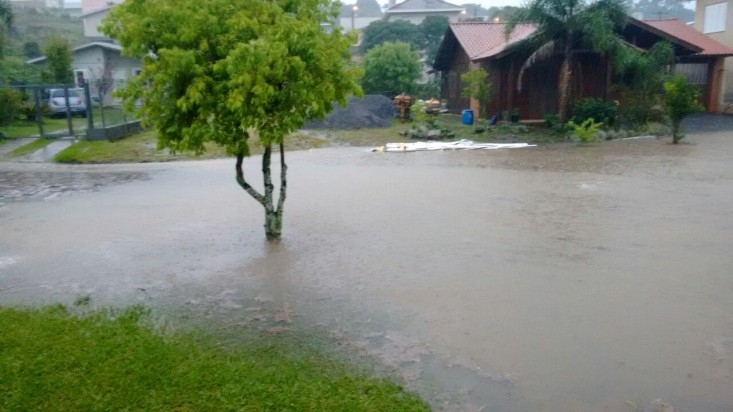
(554, 278)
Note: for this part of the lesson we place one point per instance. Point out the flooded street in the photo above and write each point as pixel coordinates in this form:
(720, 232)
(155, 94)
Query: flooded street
(554, 278)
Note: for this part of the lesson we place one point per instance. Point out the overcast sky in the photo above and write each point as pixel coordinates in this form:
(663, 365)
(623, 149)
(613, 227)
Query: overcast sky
(501, 3)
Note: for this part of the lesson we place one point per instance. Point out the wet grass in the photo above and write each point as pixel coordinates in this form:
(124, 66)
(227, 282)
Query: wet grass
(30, 147)
(143, 147)
(25, 128)
(139, 148)
(113, 360)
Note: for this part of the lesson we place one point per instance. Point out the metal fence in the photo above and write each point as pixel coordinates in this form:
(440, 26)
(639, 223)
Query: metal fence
(59, 110)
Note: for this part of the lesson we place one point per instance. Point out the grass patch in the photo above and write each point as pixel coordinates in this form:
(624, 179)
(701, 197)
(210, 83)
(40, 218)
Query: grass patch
(25, 128)
(138, 148)
(30, 147)
(52, 360)
(143, 147)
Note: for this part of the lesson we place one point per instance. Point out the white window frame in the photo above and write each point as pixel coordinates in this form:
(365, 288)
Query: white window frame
(714, 18)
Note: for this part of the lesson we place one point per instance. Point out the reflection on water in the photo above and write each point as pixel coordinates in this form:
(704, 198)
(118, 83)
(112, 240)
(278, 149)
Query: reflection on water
(554, 278)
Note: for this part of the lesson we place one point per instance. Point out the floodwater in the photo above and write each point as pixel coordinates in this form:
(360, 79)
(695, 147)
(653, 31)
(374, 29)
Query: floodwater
(553, 278)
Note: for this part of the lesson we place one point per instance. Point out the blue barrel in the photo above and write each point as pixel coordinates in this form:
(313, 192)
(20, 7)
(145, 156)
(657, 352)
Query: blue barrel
(467, 117)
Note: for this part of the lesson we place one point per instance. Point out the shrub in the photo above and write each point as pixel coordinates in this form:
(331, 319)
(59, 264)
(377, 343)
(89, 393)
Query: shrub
(477, 87)
(585, 132)
(680, 100)
(594, 108)
(10, 107)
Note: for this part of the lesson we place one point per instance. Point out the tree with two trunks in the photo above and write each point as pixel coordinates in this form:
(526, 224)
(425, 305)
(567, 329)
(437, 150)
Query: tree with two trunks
(236, 73)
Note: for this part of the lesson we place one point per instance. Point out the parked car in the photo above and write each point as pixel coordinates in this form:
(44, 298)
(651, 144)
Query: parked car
(57, 102)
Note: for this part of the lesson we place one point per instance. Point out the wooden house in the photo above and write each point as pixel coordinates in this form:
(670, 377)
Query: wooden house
(469, 45)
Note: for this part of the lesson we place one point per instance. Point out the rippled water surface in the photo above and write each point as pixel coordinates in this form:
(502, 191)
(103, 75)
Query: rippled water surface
(554, 278)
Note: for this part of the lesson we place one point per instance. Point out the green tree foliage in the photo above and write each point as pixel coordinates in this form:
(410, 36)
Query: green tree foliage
(477, 87)
(32, 50)
(13, 70)
(594, 108)
(433, 29)
(230, 71)
(680, 101)
(663, 9)
(58, 61)
(640, 77)
(391, 69)
(380, 32)
(10, 108)
(6, 21)
(564, 26)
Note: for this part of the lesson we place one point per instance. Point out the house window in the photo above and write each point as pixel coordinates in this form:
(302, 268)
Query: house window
(714, 20)
(695, 73)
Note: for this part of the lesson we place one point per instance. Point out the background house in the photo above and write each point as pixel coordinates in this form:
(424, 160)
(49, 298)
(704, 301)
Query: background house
(468, 45)
(99, 62)
(415, 11)
(715, 19)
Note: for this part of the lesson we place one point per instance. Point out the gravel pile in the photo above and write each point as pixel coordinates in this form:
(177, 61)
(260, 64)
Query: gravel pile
(371, 111)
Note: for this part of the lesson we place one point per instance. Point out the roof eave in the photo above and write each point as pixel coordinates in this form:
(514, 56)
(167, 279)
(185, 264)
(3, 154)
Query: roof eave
(663, 34)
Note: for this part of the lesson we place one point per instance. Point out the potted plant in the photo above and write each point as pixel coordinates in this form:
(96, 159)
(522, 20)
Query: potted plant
(515, 115)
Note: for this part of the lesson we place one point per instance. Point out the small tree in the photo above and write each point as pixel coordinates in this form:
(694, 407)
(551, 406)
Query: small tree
(32, 50)
(391, 68)
(232, 71)
(10, 108)
(380, 32)
(58, 58)
(641, 78)
(432, 28)
(476, 87)
(680, 101)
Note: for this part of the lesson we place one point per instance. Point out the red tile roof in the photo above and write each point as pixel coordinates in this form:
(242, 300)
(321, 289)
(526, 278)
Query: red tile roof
(677, 30)
(481, 40)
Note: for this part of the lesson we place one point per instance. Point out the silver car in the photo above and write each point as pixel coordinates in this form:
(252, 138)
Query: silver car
(57, 102)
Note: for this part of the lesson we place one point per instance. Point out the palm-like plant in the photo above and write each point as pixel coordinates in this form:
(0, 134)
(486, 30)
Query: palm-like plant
(562, 28)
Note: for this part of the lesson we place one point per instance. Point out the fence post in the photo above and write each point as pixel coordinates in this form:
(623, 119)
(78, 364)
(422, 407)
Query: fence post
(88, 99)
(39, 114)
(68, 110)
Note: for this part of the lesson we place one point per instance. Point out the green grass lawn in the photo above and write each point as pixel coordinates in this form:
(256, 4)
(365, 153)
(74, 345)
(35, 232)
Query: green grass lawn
(30, 147)
(25, 128)
(143, 147)
(102, 361)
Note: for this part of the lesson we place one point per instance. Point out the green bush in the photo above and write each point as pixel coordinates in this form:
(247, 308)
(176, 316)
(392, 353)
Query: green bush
(585, 132)
(10, 107)
(636, 109)
(594, 108)
(680, 100)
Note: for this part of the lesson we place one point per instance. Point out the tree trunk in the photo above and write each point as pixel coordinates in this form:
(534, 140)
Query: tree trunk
(563, 88)
(676, 135)
(273, 213)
